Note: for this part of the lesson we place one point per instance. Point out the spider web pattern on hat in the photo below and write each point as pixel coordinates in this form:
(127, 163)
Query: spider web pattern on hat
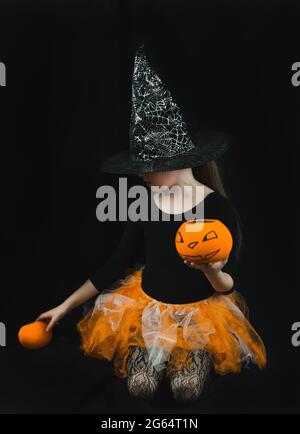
(157, 129)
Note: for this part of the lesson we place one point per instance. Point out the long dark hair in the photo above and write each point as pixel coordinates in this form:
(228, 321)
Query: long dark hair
(209, 174)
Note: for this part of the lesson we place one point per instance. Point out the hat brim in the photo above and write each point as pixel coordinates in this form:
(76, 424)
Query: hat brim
(204, 151)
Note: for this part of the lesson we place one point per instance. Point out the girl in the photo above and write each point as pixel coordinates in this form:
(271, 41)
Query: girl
(165, 315)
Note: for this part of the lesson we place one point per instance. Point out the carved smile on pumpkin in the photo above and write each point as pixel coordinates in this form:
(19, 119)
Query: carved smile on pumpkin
(207, 256)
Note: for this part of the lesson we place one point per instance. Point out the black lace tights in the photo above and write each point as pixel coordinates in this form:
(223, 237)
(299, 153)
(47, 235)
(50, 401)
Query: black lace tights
(186, 384)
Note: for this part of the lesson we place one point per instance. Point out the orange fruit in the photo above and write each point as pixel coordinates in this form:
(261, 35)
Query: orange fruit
(34, 335)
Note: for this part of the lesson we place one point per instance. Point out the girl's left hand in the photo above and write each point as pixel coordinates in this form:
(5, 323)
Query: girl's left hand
(207, 267)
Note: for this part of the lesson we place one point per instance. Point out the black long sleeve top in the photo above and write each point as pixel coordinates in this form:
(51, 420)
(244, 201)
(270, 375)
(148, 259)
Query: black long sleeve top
(165, 276)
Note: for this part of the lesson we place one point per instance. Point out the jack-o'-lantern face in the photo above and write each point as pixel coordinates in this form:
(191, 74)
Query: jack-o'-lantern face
(203, 240)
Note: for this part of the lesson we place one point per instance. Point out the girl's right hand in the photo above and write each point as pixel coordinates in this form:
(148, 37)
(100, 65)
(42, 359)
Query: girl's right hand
(52, 316)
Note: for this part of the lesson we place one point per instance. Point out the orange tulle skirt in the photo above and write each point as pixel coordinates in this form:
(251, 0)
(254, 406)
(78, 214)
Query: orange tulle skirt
(126, 316)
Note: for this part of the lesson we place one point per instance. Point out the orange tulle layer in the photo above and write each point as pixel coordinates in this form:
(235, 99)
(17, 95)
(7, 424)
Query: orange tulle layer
(126, 316)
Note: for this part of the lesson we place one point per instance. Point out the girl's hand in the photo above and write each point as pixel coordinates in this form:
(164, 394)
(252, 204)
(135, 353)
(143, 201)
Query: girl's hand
(53, 316)
(207, 267)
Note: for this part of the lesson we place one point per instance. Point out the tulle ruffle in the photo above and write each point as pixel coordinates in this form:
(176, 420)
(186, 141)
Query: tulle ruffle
(125, 316)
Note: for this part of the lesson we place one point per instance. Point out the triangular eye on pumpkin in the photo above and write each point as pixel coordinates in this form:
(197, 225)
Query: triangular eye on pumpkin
(179, 238)
(203, 240)
(210, 236)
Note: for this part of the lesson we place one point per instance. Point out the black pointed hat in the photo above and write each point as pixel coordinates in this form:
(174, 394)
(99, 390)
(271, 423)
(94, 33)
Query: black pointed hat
(159, 139)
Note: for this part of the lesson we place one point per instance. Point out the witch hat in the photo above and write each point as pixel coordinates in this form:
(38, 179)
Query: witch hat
(159, 139)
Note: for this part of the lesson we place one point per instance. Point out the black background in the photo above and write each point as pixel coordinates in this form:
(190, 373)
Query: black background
(66, 107)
